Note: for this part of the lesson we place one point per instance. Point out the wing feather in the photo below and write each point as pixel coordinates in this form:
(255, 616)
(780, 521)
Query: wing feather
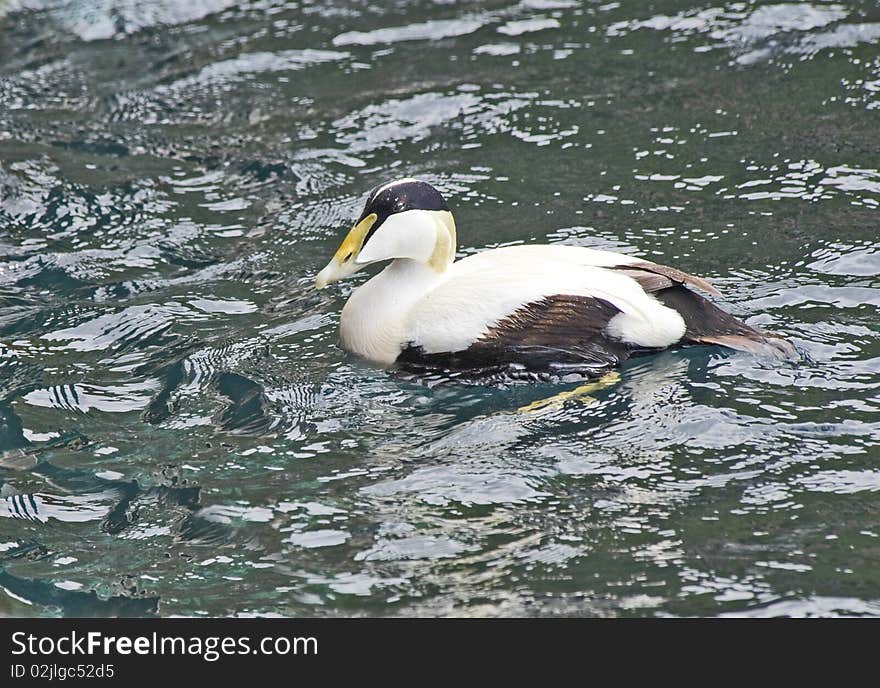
(653, 277)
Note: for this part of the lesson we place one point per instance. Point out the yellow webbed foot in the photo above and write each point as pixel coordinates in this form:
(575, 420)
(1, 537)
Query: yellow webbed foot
(581, 394)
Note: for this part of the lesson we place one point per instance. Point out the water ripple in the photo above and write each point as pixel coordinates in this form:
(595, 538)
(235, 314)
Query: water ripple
(180, 433)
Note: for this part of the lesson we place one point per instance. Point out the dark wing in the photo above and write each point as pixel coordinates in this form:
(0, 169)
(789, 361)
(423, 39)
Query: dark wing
(705, 322)
(653, 277)
(708, 324)
(556, 334)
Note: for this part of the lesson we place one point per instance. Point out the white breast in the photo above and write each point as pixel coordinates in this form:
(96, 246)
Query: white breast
(373, 321)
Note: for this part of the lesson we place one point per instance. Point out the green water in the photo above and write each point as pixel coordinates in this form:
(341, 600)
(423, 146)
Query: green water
(180, 434)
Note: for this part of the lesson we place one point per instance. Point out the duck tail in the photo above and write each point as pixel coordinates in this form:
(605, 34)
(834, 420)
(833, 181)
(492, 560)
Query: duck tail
(761, 344)
(707, 324)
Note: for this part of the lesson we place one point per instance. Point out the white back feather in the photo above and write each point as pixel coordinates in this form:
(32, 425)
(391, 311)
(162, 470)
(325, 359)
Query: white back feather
(485, 288)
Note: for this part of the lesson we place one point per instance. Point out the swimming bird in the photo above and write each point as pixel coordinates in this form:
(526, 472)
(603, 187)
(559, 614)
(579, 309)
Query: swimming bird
(533, 309)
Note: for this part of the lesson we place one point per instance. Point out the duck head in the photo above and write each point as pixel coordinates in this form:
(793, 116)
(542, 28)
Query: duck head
(404, 219)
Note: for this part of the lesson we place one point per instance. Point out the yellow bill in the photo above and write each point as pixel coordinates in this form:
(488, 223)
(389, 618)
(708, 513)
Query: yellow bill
(344, 262)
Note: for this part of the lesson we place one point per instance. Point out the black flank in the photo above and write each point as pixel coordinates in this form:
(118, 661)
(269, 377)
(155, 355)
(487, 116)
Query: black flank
(557, 335)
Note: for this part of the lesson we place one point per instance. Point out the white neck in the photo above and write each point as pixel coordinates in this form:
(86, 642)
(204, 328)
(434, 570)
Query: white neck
(373, 319)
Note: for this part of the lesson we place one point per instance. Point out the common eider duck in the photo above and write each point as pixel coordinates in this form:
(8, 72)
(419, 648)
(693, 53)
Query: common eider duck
(534, 309)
